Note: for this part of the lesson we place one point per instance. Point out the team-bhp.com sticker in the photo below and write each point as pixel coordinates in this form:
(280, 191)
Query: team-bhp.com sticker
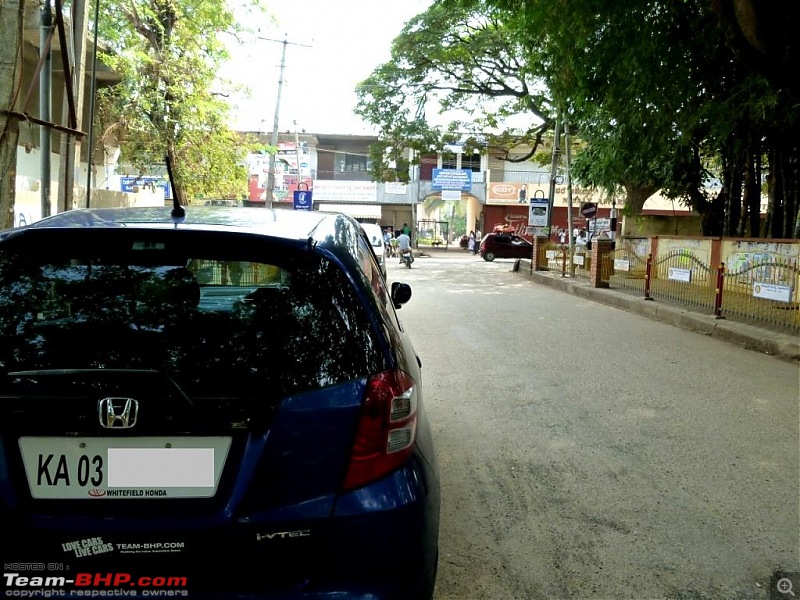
(97, 585)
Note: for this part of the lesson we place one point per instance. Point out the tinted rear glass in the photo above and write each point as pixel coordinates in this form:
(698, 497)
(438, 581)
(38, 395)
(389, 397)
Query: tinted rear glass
(221, 321)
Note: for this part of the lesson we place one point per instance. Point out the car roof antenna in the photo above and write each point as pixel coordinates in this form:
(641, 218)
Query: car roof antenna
(178, 213)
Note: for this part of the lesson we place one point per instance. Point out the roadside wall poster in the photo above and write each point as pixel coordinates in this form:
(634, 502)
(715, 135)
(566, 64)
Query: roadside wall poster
(622, 264)
(772, 291)
(677, 274)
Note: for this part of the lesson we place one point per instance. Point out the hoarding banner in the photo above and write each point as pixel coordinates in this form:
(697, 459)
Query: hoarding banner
(452, 179)
(507, 193)
(345, 191)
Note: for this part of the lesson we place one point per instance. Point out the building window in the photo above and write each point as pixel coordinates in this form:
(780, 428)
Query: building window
(470, 162)
(353, 163)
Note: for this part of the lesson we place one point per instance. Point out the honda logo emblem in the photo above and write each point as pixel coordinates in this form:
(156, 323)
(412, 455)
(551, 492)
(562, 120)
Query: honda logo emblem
(118, 413)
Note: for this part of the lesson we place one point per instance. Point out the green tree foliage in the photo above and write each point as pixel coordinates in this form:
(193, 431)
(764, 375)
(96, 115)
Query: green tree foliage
(169, 53)
(677, 96)
(461, 60)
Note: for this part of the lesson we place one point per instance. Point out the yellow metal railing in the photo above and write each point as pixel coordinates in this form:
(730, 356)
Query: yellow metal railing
(765, 293)
(624, 269)
(682, 278)
(234, 273)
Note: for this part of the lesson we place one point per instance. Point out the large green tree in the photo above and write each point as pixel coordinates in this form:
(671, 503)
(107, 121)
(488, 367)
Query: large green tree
(466, 62)
(169, 53)
(675, 96)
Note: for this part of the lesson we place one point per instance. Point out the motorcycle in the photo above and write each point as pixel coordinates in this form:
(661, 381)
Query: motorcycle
(406, 257)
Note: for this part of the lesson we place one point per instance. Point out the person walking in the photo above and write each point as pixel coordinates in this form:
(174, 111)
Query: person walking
(471, 242)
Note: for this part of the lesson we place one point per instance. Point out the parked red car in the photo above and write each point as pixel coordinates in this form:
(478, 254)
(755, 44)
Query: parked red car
(504, 245)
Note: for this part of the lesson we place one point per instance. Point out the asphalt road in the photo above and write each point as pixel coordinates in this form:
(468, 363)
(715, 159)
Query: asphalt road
(587, 452)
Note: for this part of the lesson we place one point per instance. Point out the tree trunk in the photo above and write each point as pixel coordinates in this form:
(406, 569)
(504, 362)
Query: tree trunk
(754, 194)
(732, 184)
(11, 21)
(775, 194)
(636, 196)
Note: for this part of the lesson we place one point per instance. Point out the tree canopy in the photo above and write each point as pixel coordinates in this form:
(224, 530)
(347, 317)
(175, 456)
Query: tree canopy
(693, 98)
(467, 62)
(169, 53)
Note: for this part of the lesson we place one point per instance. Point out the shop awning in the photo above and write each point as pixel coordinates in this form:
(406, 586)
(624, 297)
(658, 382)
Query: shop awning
(357, 211)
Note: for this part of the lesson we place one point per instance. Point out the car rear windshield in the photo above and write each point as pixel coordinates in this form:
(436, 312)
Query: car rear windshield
(221, 323)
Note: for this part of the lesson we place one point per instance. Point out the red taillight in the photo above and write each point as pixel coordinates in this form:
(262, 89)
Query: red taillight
(386, 428)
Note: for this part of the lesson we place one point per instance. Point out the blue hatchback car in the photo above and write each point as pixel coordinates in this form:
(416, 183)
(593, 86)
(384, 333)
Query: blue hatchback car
(223, 405)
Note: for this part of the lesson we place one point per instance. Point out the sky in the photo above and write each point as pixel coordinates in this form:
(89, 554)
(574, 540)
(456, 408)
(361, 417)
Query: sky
(343, 41)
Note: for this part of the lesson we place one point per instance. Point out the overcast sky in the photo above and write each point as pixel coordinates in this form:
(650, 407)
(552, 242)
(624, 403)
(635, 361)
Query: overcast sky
(347, 39)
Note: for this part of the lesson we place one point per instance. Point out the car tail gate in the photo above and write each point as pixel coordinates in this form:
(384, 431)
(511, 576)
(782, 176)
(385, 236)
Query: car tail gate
(126, 357)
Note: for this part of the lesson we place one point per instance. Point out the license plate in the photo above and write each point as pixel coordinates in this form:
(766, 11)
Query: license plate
(123, 468)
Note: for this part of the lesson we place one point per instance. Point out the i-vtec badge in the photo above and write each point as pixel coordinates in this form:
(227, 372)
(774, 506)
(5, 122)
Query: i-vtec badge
(282, 535)
(118, 413)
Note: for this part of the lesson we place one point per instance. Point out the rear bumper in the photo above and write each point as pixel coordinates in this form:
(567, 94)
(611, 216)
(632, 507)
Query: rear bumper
(380, 544)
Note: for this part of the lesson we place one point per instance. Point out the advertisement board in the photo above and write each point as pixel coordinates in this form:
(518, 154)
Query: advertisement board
(452, 179)
(507, 193)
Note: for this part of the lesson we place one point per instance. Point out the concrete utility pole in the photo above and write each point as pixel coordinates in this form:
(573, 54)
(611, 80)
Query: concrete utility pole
(276, 121)
(92, 94)
(554, 171)
(70, 147)
(45, 103)
(569, 198)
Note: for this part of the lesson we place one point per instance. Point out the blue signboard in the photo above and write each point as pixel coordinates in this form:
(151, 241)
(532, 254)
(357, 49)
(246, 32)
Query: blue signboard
(130, 184)
(452, 179)
(302, 200)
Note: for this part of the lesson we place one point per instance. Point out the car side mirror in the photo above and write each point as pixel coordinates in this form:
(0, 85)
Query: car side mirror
(401, 293)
